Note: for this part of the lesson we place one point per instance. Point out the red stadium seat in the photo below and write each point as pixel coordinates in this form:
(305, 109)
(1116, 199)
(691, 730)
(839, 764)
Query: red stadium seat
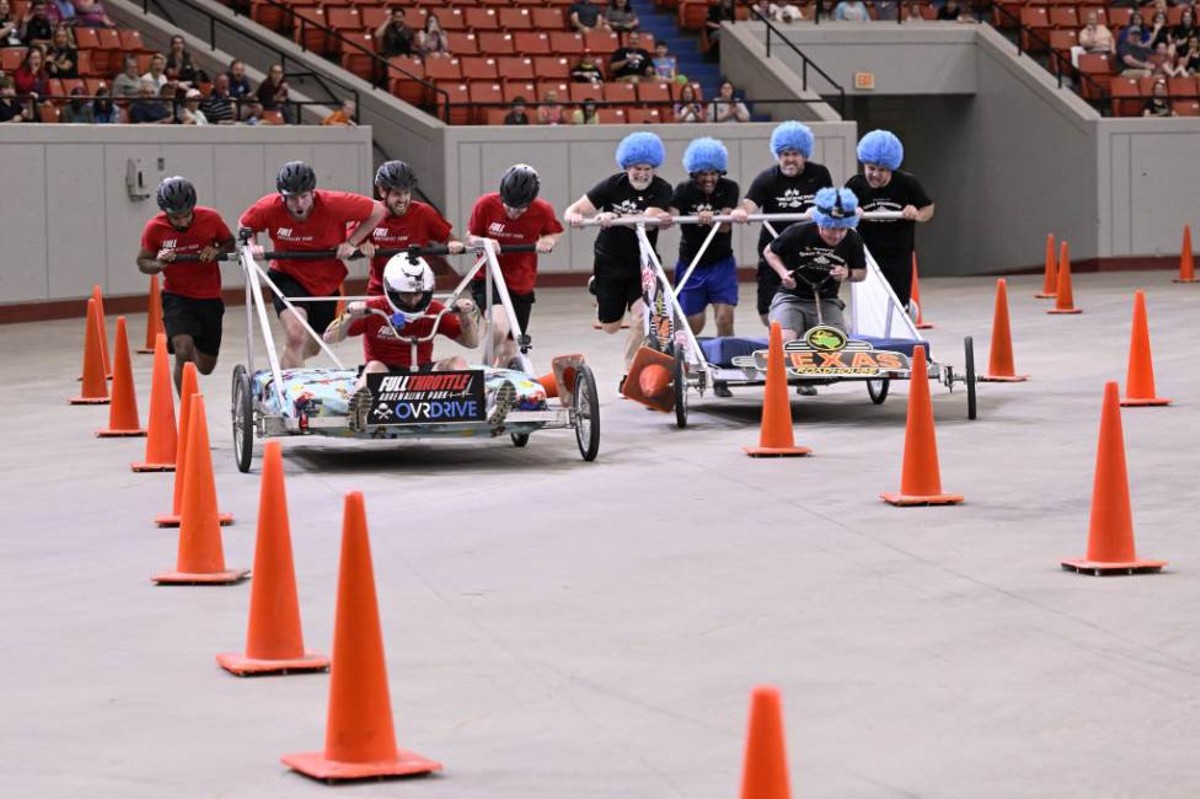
(644, 116)
(485, 95)
(532, 43)
(462, 43)
(549, 67)
(11, 58)
(602, 42)
(443, 69)
(1126, 97)
(1183, 88)
(495, 116)
(360, 62)
(561, 87)
(1186, 108)
(496, 43)
(373, 16)
(566, 43)
(514, 89)
(548, 19)
(620, 93)
(611, 116)
(131, 41)
(415, 17)
(344, 18)
(479, 68)
(86, 39)
(459, 97)
(515, 67)
(452, 19)
(654, 92)
(515, 19)
(407, 85)
(1064, 17)
(586, 91)
(482, 19)
(1096, 67)
(1118, 17)
(1037, 20)
(692, 15)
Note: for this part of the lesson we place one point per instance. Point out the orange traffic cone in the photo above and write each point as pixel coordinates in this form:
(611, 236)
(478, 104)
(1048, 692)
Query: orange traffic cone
(188, 390)
(650, 380)
(1110, 531)
(776, 439)
(1187, 270)
(1000, 360)
(98, 296)
(1139, 378)
(1064, 298)
(162, 443)
(360, 740)
(550, 384)
(123, 412)
(154, 317)
(916, 298)
(340, 308)
(920, 477)
(1050, 277)
(201, 558)
(274, 641)
(95, 388)
(765, 773)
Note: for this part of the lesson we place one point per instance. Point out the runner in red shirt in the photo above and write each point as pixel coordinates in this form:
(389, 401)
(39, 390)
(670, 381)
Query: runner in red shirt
(408, 221)
(514, 215)
(303, 218)
(191, 293)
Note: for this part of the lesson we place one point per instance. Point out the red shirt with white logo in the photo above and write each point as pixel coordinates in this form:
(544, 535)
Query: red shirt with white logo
(420, 225)
(200, 281)
(381, 344)
(324, 229)
(489, 219)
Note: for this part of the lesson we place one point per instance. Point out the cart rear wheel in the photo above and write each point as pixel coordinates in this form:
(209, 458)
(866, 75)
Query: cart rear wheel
(878, 389)
(681, 389)
(243, 418)
(520, 439)
(969, 353)
(587, 413)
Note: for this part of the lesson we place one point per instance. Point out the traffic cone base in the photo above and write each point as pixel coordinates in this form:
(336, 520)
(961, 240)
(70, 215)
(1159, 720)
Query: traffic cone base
(243, 666)
(777, 452)
(1181, 280)
(924, 326)
(88, 401)
(1041, 296)
(1145, 402)
(1002, 378)
(140, 432)
(1101, 569)
(906, 500)
(317, 766)
(173, 519)
(152, 467)
(227, 577)
(1065, 310)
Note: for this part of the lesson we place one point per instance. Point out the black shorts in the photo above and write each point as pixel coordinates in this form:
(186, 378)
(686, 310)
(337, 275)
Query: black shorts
(200, 319)
(522, 303)
(768, 284)
(617, 287)
(320, 314)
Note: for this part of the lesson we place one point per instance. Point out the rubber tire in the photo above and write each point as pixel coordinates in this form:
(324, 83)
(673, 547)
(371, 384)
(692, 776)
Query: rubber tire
(242, 411)
(679, 378)
(969, 354)
(587, 397)
(520, 439)
(878, 395)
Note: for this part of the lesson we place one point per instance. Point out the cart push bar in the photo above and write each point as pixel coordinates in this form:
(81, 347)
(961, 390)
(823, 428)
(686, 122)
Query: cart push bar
(664, 221)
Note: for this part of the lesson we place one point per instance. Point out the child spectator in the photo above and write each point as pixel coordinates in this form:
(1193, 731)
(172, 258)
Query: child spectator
(631, 63)
(432, 40)
(30, 77)
(852, 11)
(393, 37)
(77, 112)
(620, 16)
(688, 109)
(585, 16)
(587, 70)
(104, 111)
(62, 58)
(1157, 105)
(127, 83)
(664, 63)
(344, 116)
(516, 114)
(726, 106)
(179, 65)
(550, 112)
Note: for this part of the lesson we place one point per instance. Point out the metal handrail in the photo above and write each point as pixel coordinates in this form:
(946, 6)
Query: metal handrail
(805, 61)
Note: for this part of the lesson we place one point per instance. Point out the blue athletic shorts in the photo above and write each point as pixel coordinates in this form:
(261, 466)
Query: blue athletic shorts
(715, 284)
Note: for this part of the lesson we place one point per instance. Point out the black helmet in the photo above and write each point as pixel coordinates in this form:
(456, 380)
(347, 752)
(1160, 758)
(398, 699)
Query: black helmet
(295, 177)
(519, 186)
(176, 195)
(395, 176)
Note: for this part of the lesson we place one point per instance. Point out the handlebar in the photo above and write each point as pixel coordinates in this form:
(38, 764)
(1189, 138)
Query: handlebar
(387, 252)
(654, 221)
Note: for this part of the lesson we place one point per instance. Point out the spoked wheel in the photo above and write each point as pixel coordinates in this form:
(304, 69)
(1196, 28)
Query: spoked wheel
(587, 413)
(878, 389)
(243, 418)
(520, 439)
(969, 354)
(679, 377)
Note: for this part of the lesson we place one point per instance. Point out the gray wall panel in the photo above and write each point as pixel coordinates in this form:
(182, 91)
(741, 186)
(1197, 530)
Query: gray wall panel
(75, 181)
(24, 222)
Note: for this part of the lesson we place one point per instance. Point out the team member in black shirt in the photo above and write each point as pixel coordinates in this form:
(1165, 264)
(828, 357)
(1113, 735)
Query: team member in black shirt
(884, 187)
(786, 188)
(634, 191)
(812, 260)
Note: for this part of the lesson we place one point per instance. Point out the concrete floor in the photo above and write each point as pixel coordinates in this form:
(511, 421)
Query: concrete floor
(563, 629)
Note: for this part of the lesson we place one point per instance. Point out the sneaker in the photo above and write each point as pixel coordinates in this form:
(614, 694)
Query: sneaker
(506, 398)
(722, 390)
(592, 285)
(358, 408)
(805, 390)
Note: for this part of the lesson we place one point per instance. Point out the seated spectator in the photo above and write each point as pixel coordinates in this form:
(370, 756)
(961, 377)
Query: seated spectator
(104, 111)
(516, 114)
(179, 65)
(664, 62)
(887, 10)
(61, 11)
(273, 92)
(1185, 30)
(550, 112)
(158, 71)
(852, 11)
(218, 107)
(1159, 31)
(147, 109)
(1094, 37)
(29, 79)
(585, 114)
(393, 37)
(128, 83)
(585, 16)
(239, 84)
(913, 13)
(719, 12)
(777, 12)
(631, 63)
(688, 109)
(10, 29)
(1190, 58)
(344, 116)
(949, 12)
(587, 70)
(11, 108)
(432, 40)
(1133, 51)
(90, 14)
(620, 16)
(62, 58)
(36, 27)
(727, 106)
(191, 113)
(77, 112)
(1164, 64)
(1157, 105)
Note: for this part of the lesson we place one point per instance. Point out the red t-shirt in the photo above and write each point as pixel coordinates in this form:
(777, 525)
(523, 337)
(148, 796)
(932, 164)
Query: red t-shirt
(421, 224)
(324, 229)
(200, 281)
(489, 219)
(381, 344)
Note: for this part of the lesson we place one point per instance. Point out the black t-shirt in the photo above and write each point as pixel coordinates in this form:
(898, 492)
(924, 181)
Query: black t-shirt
(9, 110)
(690, 200)
(637, 61)
(516, 118)
(806, 254)
(615, 194)
(775, 193)
(889, 238)
(1157, 106)
(588, 13)
(582, 73)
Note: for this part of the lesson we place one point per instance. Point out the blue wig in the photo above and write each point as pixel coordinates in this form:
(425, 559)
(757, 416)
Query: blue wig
(642, 147)
(835, 208)
(792, 136)
(881, 148)
(705, 154)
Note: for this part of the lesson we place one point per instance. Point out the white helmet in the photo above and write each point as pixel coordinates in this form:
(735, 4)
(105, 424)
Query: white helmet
(404, 276)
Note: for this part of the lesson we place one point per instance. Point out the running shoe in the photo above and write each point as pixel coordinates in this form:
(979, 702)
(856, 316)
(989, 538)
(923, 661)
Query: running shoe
(506, 398)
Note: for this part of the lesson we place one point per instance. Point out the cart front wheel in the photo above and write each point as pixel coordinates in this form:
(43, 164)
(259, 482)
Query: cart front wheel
(243, 418)
(681, 389)
(969, 353)
(587, 413)
(878, 389)
(520, 439)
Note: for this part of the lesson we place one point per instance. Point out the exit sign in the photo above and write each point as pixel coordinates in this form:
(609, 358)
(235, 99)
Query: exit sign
(864, 81)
